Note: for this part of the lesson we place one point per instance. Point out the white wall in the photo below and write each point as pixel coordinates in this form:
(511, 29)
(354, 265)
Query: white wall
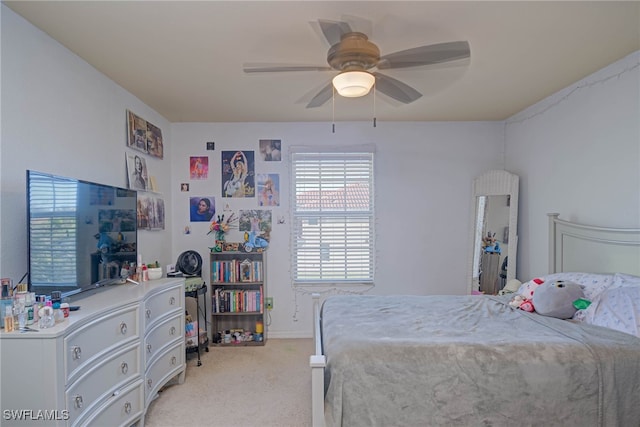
(60, 115)
(577, 153)
(423, 176)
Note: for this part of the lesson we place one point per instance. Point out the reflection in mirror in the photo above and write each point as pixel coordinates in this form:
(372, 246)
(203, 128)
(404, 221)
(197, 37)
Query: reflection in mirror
(494, 226)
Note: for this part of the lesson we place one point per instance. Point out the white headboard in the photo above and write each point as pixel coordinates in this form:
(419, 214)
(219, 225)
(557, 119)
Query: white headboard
(584, 248)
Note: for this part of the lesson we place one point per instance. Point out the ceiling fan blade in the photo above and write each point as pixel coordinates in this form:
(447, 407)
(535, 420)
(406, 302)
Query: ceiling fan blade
(273, 68)
(321, 97)
(426, 55)
(359, 24)
(333, 30)
(396, 89)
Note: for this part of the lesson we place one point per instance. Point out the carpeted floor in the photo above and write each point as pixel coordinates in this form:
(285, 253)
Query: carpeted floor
(240, 387)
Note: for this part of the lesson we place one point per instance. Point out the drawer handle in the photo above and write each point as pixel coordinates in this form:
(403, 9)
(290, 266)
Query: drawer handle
(127, 407)
(148, 348)
(149, 382)
(148, 313)
(172, 331)
(172, 300)
(76, 352)
(77, 401)
(123, 328)
(173, 361)
(124, 368)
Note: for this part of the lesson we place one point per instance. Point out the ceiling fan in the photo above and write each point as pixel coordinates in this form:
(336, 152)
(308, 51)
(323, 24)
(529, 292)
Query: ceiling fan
(358, 60)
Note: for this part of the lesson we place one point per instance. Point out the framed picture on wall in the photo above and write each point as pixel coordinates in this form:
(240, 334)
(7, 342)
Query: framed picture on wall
(144, 136)
(137, 172)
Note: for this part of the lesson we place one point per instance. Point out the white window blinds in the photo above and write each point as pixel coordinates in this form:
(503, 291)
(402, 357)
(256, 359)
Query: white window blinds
(53, 229)
(333, 217)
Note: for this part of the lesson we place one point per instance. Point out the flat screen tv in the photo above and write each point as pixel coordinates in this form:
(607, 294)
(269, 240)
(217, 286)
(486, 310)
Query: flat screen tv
(80, 234)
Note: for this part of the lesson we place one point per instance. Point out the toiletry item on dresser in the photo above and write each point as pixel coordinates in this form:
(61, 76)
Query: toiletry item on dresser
(8, 319)
(46, 316)
(20, 308)
(58, 315)
(5, 303)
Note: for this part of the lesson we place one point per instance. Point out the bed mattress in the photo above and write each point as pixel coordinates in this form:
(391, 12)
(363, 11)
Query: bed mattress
(472, 361)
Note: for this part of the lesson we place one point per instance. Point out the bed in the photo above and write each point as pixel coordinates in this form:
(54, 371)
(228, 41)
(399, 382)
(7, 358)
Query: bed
(475, 360)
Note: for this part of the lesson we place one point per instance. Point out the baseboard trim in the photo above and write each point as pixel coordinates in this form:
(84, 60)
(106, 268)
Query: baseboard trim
(289, 334)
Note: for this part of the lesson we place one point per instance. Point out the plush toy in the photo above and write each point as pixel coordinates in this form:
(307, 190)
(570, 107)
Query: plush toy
(556, 298)
(523, 300)
(516, 301)
(529, 287)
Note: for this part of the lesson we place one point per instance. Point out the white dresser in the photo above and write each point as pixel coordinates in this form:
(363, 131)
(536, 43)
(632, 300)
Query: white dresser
(103, 365)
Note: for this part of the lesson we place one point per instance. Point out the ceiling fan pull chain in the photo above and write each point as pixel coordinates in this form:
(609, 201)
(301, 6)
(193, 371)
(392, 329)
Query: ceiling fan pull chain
(374, 105)
(333, 110)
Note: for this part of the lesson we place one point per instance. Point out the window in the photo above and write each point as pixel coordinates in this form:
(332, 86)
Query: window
(333, 216)
(53, 231)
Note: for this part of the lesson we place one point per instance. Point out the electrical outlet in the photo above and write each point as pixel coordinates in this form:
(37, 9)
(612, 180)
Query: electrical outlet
(269, 303)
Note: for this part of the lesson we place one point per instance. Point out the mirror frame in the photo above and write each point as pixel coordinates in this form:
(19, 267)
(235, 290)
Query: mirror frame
(495, 183)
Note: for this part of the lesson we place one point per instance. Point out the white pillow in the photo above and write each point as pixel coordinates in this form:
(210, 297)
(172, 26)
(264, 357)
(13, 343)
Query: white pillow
(593, 283)
(621, 279)
(616, 308)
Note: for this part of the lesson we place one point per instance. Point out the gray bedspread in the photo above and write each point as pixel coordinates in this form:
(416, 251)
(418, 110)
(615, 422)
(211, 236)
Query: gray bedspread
(472, 361)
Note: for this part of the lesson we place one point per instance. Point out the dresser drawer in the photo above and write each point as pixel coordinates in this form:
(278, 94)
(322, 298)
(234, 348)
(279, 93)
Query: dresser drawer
(162, 335)
(102, 379)
(98, 337)
(167, 365)
(122, 408)
(162, 303)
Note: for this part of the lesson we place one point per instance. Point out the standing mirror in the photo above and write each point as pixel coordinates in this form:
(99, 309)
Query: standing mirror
(494, 225)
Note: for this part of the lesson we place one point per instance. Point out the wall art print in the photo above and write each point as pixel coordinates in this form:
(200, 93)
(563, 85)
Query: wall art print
(198, 167)
(201, 208)
(137, 172)
(271, 150)
(151, 212)
(144, 136)
(268, 189)
(238, 174)
(257, 221)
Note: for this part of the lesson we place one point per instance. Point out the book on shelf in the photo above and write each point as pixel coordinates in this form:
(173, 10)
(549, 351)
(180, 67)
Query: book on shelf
(234, 271)
(237, 300)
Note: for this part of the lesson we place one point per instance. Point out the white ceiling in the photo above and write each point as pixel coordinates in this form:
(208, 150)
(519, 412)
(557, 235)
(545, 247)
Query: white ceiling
(184, 58)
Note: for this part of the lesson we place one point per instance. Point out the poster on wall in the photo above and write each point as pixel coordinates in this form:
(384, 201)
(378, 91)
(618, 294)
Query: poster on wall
(268, 189)
(238, 173)
(271, 150)
(256, 221)
(137, 172)
(155, 146)
(199, 167)
(144, 136)
(151, 213)
(201, 208)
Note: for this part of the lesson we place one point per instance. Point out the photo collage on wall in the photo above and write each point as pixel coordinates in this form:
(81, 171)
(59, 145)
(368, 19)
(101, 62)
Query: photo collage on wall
(239, 180)
(146, 139)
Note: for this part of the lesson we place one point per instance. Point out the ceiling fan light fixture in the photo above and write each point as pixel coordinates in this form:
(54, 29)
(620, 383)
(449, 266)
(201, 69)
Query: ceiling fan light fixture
(353, 84)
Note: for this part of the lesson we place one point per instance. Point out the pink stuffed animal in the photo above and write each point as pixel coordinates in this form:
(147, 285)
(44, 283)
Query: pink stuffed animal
(523, 300)
(529, 287)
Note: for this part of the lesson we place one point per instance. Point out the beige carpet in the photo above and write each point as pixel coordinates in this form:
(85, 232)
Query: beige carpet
(241, 387)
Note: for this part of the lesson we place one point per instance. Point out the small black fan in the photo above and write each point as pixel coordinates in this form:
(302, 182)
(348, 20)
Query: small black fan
(190, 263)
